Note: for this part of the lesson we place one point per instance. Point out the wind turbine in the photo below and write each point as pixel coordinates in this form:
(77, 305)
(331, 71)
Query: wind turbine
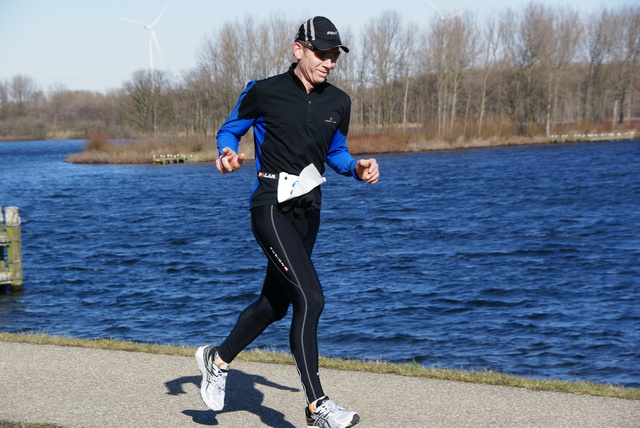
(444, 17)
(152, 36)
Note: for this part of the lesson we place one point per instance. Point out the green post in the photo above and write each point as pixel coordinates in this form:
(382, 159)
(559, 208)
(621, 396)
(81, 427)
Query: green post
(14, 255)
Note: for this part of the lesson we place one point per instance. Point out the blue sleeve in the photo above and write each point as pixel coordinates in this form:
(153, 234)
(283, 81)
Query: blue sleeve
(339, 158)
(234, 127)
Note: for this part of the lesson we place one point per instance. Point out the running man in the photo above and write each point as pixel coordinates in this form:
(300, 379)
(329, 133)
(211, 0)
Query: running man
(300, 122)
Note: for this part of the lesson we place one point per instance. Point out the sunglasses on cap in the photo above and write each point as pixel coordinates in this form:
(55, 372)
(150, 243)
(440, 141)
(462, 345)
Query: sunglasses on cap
(323, 55)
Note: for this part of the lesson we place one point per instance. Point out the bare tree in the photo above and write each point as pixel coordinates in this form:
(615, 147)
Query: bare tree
(437, 48)
(598, 47)
(634, 50)
(530, 42)
(525, 67)
(146, 101)
(631, 53)
(462, 56)
(4, 100)
(409, 68)
(196, 112)
(452, 52)
(391, 43)
(23, 93)
(278, 54)
(58, 103)
(491, 40)
(561, 48)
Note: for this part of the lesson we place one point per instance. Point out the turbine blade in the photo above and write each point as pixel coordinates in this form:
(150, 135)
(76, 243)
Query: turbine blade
(458, 13)
(153, 34)
(434, 7)
(135, 22)
(160, 14)
(149, 32)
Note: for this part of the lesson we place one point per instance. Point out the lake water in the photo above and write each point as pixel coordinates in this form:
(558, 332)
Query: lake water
(523, 260)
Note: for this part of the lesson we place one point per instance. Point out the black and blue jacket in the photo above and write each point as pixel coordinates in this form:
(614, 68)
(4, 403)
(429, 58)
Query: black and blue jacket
(292, 128)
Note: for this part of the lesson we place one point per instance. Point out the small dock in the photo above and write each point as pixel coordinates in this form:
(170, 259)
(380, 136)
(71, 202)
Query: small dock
(167, 159)
(594, 137)
(10, 248)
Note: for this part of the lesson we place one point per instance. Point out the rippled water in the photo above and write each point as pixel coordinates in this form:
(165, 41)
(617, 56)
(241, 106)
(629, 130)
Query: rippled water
(522, 260)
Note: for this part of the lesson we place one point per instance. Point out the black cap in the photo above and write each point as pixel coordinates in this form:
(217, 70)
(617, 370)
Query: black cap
(321, 33)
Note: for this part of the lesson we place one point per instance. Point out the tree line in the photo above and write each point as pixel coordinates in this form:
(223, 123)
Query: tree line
(532, 71)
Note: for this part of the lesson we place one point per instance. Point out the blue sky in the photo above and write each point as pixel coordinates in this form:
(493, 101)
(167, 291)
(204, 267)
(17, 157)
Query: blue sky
(85, 45)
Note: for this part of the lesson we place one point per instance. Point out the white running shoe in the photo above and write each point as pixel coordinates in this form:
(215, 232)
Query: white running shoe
(328, 415)
(214, 379)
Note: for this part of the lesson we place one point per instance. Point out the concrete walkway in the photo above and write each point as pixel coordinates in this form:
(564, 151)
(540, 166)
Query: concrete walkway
(77, 387)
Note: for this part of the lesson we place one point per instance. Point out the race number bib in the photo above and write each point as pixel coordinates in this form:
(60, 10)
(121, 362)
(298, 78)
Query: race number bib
(291, 186)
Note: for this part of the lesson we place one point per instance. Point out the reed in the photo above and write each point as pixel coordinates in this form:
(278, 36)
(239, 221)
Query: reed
(387, 142)
(98, 149)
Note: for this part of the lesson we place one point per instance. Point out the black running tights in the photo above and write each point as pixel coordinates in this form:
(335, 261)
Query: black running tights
(287, 239)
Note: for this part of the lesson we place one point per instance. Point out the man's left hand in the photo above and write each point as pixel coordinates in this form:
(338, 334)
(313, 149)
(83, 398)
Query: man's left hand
(367, 170)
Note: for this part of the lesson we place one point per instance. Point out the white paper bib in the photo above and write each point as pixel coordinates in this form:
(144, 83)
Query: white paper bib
(291, 186)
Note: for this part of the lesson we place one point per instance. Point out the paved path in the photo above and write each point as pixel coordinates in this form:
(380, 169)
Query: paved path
(77, 387)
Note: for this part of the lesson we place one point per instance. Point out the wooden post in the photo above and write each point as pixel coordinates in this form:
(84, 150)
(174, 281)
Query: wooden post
(4, 275)
(11, 272)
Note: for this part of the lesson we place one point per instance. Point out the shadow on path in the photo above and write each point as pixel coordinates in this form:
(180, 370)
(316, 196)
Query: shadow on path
(241, 395)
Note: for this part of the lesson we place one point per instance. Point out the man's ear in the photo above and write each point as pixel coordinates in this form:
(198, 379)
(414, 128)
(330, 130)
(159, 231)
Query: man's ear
(298, 50)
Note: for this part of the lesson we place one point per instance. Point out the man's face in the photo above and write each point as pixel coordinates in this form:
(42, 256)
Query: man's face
(314, 65)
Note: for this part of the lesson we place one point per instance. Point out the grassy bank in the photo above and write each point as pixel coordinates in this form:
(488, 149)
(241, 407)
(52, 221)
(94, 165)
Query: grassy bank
(381, 367)
(100, 150)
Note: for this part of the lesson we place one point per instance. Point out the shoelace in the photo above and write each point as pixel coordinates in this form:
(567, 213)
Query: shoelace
(323, 413)
(214, 372)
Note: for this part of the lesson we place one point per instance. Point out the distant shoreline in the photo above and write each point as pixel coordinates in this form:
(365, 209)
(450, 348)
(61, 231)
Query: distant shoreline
(425, 145)
(148, 150)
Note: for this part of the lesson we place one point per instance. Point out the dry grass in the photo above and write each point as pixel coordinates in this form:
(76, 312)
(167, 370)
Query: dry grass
(386, 142)
(99, 149)
(382, 367)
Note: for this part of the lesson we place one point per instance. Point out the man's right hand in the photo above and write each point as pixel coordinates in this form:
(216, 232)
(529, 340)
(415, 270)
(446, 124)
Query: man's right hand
(229, 161)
